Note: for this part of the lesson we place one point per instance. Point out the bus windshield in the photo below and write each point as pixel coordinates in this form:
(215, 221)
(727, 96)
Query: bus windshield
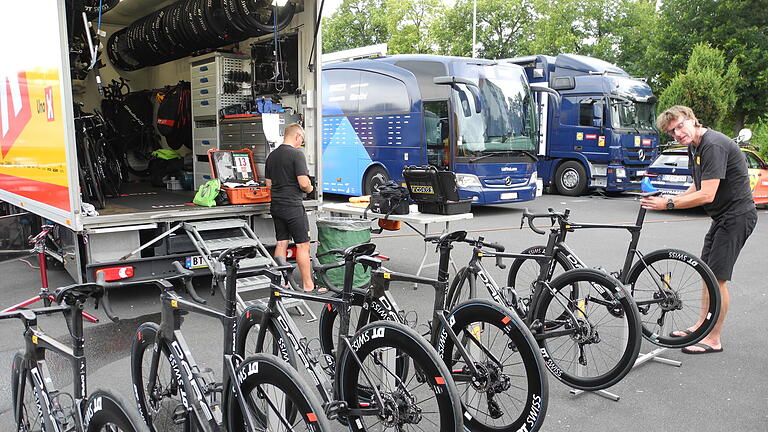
(626, 114)
(506, 123)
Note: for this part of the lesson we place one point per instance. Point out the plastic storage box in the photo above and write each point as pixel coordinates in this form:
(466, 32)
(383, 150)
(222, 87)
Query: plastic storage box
(435, 191)
(236, 166)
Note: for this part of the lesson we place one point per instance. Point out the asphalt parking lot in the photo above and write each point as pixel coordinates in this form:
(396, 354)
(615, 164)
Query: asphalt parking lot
(713, 392)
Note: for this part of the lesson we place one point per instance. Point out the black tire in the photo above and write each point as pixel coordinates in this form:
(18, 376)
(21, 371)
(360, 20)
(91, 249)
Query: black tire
(374, 178)
(686, 278)
(463, 287)
(438, 400)
(328, 325)
(288, 399)
(275, 341)
(21, 388)
(156, 405)
(598, 350)
(511, 391)
(106, 412)
(571, 178)
(523, 272)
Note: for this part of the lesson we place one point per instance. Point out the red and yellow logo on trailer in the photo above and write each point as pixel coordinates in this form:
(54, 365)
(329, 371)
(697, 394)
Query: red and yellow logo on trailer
(32, 151)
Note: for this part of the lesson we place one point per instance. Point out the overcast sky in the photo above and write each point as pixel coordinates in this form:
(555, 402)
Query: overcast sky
(330, 7)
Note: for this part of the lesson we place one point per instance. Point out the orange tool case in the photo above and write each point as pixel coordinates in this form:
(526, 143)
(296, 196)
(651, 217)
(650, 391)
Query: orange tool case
(236, 166)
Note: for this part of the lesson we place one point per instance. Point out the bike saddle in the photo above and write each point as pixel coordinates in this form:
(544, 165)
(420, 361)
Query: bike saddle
(456, 236)
(72, 293)
(362, 249)
(238, 253)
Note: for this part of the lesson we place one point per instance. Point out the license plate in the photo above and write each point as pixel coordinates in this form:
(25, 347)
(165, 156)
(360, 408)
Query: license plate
(195, 262)
(600, 182)
(676, 178)
(509, 195)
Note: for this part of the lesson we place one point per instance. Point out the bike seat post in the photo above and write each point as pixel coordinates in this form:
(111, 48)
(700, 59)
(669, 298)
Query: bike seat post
(230, 286)
(444, 262)
(640, 216)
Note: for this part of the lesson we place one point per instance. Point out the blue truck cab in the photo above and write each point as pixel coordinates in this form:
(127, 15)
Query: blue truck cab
(601, 133)
(471, 116)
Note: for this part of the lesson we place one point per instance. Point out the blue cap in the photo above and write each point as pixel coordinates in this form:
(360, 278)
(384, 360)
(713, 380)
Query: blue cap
(647, 186)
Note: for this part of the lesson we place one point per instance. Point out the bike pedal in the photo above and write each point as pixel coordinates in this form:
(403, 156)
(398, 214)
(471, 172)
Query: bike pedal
(335, 409)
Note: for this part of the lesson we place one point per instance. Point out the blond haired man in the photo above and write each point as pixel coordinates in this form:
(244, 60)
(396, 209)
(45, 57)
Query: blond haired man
(721, 187)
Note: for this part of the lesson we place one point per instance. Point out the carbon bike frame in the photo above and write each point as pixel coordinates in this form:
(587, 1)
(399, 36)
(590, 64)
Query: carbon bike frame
(632, 251)
(378, 298)
(36, 344)
(276, 312)
(183, 365)
(546, 269)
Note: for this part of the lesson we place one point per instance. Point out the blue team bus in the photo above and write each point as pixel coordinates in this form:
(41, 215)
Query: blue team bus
(471, 116)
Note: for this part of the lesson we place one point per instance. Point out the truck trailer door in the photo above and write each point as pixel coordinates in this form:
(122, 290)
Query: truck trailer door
(38, 162)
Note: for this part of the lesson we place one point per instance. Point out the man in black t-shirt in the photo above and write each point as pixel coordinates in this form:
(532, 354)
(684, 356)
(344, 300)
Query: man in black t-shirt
(286, 173)
(721, 187)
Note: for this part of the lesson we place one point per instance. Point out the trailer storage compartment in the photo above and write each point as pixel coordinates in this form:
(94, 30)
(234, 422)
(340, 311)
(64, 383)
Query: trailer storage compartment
(93, 100)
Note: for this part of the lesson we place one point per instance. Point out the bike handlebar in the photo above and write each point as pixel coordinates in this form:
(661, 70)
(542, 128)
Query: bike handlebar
(560, 217)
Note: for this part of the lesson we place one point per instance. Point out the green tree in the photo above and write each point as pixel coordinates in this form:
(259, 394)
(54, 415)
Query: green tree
(356, 23)
(503, 28)
(737, 27)
(408, 24)
(707, 86)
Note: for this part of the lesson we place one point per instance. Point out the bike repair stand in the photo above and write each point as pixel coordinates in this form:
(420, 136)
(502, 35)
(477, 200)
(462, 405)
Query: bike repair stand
(45, 295)
(641, 359)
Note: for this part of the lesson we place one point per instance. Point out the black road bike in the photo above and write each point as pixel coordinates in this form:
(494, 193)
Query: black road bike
(383, 377)
(586, 324)
(37, 404)
(173, 394)
(674, 290)
(492, 355)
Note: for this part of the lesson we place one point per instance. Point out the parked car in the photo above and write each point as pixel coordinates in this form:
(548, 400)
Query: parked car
(669, 173)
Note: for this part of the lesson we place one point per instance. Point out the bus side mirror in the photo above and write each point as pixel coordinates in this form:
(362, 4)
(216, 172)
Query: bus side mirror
(454, 80)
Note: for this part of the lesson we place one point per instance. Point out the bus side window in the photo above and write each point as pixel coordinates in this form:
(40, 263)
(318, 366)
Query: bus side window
(437, 133)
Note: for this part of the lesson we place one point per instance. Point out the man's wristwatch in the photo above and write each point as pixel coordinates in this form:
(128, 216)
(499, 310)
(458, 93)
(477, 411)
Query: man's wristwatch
(670, 204)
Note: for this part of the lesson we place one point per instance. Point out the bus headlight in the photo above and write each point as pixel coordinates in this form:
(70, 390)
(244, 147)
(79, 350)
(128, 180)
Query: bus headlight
(621, 173)
(467, 181)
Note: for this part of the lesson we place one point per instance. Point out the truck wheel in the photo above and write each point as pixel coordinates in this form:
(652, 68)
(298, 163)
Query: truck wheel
(375, 177)
(571, 178)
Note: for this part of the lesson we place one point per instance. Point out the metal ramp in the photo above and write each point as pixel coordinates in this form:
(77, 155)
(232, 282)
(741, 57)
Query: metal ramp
(221, 234)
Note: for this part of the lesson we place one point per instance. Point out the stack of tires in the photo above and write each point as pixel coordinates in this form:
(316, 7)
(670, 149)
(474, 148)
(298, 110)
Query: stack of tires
(190, 26)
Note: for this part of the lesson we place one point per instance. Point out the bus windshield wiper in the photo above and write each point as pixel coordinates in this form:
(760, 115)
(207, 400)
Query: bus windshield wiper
(528, 153)
(487, 155)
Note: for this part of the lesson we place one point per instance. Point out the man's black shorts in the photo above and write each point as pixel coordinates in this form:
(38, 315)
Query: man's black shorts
(724, 240)
(290, 222)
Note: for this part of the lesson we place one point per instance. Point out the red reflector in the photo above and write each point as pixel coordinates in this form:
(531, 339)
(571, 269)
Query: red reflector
(138, 336)
(506, 319)
(329, 307)
(248, 314)
(382, 257)
(311, 417)
(440, 380)
(116, 273)
(364, 404)
(458, 371)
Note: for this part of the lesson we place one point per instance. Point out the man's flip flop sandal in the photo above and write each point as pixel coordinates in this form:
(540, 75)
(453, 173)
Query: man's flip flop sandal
(707, 349)
(317, 290)
(685, 333)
